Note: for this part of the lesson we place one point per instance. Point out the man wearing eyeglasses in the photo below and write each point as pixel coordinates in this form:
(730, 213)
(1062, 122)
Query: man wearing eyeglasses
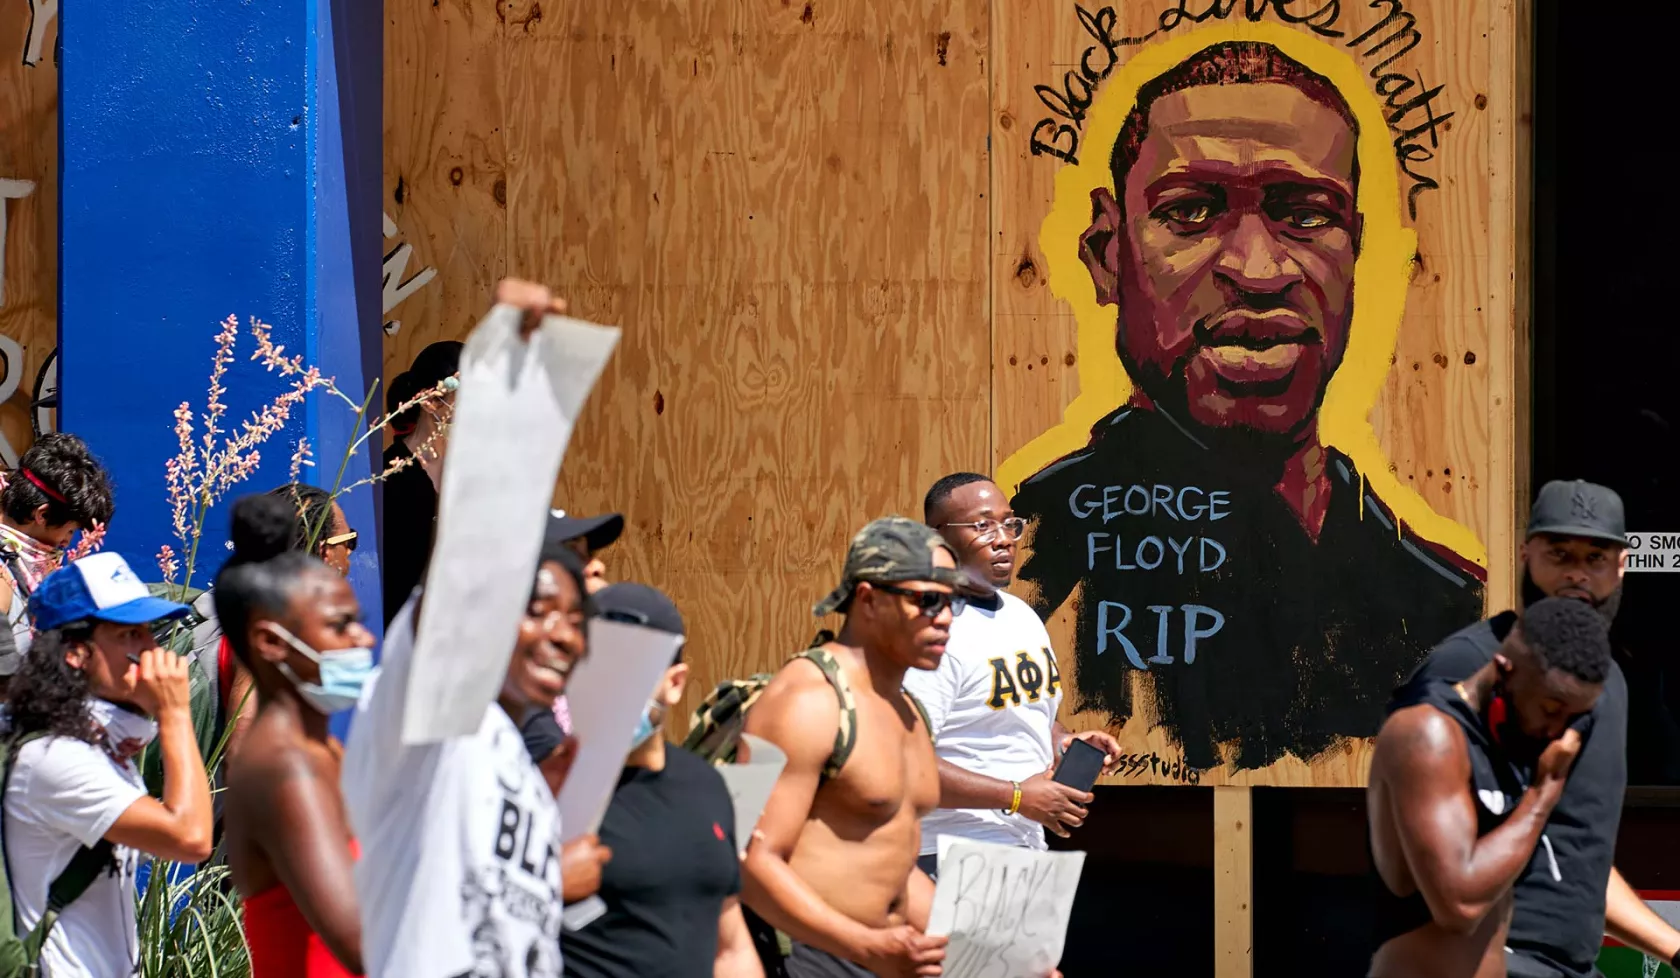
(833, 863)
(992, 703)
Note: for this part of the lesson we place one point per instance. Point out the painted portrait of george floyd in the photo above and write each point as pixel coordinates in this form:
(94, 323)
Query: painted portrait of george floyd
(1224, 557)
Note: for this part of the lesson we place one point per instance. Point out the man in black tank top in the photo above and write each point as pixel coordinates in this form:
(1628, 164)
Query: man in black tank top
(1463, 779)
(1568, 900)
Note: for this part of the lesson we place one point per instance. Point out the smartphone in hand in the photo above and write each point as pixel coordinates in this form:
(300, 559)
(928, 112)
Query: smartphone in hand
(1081, 763)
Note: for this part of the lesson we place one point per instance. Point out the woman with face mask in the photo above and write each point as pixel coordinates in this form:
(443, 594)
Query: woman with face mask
(294, 624)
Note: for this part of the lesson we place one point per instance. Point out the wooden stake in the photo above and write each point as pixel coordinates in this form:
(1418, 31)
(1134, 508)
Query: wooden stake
(1233, 882)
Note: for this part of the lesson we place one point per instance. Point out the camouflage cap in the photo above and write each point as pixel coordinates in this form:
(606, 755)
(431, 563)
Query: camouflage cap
(890, 550)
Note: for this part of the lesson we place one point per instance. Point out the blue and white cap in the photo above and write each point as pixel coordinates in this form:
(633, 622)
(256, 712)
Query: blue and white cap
(99, 587)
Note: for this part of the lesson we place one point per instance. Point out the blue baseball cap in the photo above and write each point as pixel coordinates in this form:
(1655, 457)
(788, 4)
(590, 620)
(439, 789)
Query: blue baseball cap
(99, 587)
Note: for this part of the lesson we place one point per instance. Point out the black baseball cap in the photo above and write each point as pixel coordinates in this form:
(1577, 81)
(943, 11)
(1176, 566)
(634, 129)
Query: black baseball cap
(1579, 509)
(599, 532)
(641, 605)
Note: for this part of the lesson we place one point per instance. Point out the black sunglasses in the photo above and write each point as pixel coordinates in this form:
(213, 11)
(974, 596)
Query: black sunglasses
(929, 603)
(348, 540)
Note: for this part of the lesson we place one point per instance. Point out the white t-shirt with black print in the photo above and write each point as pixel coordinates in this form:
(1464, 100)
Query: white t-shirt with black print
(992, 707)
(460, 866)
(66, 794)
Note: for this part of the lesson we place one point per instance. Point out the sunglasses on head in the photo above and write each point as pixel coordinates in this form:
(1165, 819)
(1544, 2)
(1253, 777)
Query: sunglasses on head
(929, 603)
(346, 540)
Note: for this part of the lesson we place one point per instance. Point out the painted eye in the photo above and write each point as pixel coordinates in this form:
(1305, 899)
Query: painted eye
(1308, 218)
(1187, 212)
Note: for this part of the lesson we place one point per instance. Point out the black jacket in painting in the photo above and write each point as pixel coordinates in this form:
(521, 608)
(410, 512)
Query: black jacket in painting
(1193, 572)
(1558, 923)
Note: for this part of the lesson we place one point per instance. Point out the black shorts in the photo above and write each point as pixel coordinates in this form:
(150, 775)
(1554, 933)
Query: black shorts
(808, 962)
(784, 957)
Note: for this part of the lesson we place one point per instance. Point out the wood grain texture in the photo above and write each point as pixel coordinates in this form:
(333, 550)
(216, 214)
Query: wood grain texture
(785, 208)
(818, 224)
(445, 162)
(1447, 417)
(28, 151)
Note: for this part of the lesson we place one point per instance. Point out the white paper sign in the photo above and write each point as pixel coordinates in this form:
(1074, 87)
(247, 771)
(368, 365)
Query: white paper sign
(607, 694)
(1648, 552)
(750, 784)
(1005, 908)
(514, 413)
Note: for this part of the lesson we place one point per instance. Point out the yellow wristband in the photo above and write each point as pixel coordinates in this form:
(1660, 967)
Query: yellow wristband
(1014, 803)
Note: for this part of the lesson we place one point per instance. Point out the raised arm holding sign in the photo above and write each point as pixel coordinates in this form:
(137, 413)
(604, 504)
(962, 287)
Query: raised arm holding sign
(460, 867)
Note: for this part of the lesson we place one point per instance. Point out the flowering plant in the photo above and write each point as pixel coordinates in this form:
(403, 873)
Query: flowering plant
(211, 460)
(188, 923)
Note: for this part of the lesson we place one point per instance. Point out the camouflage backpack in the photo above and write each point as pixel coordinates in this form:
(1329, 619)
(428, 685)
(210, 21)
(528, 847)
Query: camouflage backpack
(715, 733)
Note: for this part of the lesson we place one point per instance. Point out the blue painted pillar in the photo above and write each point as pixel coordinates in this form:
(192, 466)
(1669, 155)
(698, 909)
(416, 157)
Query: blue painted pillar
(218, 158)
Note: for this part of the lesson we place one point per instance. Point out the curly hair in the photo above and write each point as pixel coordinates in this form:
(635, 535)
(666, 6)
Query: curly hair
(47, 693)
(1569, 636)
(59, 472)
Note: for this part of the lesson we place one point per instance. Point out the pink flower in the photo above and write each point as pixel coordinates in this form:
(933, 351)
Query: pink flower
(166, 563)
(300, 458)
(91, 540)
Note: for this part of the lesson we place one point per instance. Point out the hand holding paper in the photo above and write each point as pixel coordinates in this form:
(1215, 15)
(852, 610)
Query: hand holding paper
(514, 414)
(1005, 908)
(607, 693)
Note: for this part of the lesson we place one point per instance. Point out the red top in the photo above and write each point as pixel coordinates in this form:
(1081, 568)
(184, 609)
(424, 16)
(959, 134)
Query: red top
(283, 945)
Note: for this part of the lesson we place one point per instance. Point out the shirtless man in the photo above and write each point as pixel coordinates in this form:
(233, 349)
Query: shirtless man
(833, 863)
(1463, 779)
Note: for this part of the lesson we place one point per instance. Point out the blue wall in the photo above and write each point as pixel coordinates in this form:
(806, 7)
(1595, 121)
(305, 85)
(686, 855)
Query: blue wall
(207, 171)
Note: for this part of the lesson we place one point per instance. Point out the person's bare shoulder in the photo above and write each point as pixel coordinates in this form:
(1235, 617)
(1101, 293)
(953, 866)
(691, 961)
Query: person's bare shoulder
(797, 712)
(1420, 743)
(269, 762)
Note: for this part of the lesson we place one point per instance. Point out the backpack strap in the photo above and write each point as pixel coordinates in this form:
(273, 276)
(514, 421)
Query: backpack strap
(845, 738)
(921, 710)
(83, 869)
(85, 866)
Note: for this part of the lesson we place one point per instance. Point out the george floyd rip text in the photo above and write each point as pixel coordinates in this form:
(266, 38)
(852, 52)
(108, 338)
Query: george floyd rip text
(1175, 628)
(1411, 104)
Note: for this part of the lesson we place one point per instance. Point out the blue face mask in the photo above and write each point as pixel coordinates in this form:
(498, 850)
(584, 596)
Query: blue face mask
(645, 728)
(344, 672)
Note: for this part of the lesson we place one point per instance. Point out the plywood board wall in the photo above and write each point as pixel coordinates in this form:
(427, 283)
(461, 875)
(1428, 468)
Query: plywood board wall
(843, 270)
(29, 197)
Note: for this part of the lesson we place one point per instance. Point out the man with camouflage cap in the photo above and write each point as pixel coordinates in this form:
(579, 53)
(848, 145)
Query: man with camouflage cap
(833, 863)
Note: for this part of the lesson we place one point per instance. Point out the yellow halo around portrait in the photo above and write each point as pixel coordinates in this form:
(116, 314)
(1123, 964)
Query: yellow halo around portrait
(1381, 276)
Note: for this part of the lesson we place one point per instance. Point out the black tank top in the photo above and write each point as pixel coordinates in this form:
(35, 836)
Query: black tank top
(1497, 783)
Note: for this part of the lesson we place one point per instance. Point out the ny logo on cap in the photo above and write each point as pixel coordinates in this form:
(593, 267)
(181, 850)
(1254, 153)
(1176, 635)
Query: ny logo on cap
(1581, 506)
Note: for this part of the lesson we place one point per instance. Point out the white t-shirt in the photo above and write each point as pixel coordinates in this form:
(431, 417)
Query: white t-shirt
(460, 866)
(66, 794)
(992, 705)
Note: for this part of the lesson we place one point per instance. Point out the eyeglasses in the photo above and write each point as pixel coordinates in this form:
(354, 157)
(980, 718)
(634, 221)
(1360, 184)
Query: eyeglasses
(985, 530)
(346, 540)
(929, 603)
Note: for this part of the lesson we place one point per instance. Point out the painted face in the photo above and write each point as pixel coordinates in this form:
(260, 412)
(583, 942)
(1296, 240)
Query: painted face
(1232, 256)
(972, 520)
